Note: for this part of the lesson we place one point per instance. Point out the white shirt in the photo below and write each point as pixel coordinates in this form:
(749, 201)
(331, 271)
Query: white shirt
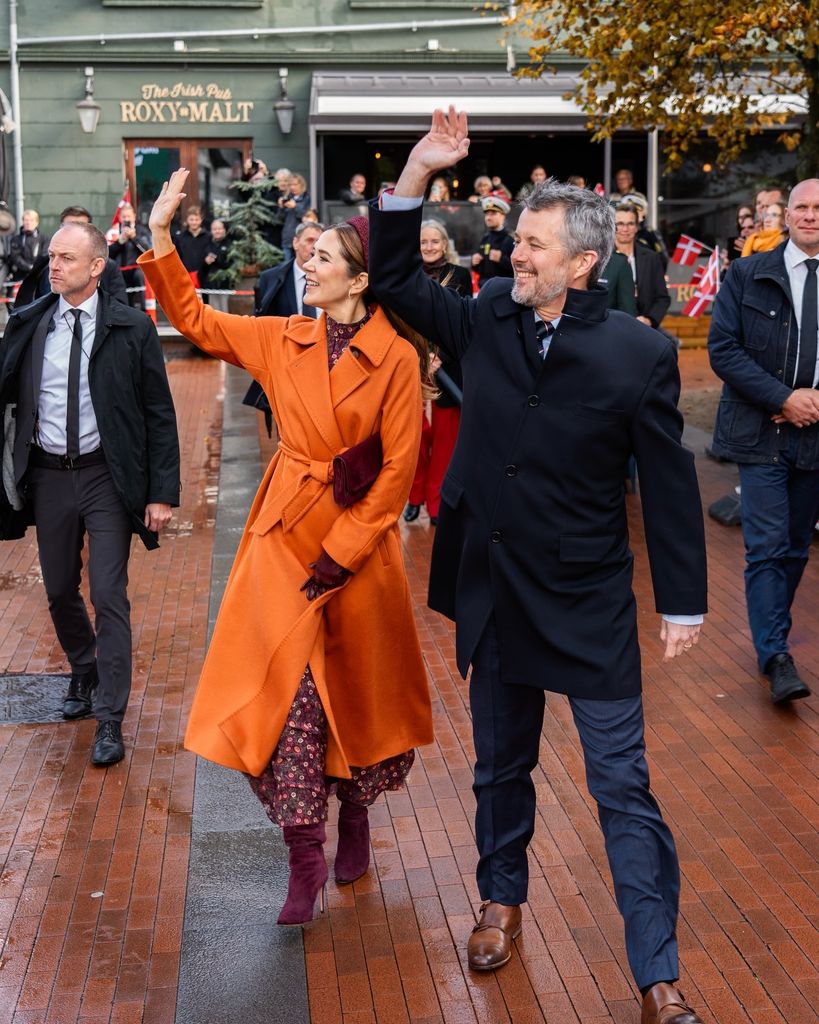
(52, 407)
(797, 274)
(299, 278)
(391, 202)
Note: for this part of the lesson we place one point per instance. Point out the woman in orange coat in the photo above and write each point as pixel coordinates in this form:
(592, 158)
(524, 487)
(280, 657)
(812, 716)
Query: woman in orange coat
(314, 675)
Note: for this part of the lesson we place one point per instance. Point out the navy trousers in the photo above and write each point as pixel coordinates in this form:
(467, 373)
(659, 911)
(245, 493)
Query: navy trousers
(780, 506)
(507, 722)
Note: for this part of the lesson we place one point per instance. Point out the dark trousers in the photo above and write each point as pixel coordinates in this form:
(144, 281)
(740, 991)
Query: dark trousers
(507, 723)
(67, 505)
(780, 506)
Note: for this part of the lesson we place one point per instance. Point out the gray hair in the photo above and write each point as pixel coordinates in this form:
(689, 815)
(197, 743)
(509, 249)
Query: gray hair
(97, 244)
(440, 227)
(588, 222)
(305, 224)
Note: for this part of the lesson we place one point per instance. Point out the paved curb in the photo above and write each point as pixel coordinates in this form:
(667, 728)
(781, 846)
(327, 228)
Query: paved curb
(237, 964)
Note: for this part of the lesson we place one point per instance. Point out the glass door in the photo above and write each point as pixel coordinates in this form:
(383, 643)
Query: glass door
(215, 164)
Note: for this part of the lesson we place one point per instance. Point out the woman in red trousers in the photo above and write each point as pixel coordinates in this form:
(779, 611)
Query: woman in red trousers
(440, 426)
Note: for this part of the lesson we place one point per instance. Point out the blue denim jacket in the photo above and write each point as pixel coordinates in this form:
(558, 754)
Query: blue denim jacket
(752, 328)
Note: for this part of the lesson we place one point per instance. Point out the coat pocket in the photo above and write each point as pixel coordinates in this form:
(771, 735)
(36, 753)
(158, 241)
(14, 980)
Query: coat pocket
(452, 491)
(592, 412)
(585, 549)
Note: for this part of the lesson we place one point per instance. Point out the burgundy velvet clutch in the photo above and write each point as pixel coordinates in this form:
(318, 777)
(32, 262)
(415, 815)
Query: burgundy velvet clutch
(355, 471)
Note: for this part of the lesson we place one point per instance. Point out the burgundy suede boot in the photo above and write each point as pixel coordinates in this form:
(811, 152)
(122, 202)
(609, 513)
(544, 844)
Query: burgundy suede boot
(353, 853)
(308, 872)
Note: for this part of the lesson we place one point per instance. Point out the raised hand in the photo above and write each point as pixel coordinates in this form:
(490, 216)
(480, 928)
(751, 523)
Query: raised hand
(443, 146)
(167, 202)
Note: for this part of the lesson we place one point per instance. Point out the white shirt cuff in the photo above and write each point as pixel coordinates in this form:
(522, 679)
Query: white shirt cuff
(390, 201)
(685, 620)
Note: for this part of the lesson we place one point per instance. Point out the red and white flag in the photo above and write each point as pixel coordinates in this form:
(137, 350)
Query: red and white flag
(687, 251)
(707, 286)
(599, 190)
(112, 234)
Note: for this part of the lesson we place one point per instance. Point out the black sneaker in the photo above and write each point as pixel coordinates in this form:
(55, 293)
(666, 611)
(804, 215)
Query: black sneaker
(79, 700)
(785, 682)
(108, 745)
(411, 513)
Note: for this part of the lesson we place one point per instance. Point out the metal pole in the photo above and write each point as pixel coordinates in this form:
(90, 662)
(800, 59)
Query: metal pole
(606, 165)
(17, 141)
(653, 178)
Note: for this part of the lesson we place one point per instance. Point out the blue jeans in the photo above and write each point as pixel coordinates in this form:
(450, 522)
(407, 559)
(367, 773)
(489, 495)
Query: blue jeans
(507, 723)
(780, 506)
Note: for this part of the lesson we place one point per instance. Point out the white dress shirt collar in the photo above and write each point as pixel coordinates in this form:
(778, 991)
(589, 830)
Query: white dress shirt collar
(89, 306)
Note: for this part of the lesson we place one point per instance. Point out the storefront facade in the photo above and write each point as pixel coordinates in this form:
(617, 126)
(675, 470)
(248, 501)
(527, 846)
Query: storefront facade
(196, 83)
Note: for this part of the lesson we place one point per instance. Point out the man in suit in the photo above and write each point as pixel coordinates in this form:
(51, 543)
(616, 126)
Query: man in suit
(651, 291)
(89, 447)
(280, 292)
(531, 555)
(36, 283)
(763, 344)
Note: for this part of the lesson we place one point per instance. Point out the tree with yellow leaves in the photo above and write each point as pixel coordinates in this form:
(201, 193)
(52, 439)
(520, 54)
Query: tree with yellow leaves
(724, 68)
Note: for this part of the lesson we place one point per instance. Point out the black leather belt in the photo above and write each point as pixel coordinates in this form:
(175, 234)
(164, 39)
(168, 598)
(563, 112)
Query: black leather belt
(45, 460)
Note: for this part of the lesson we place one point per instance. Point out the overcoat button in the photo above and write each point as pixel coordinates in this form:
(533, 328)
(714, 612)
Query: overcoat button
(511, 470)
(534, 400)
(496, 536)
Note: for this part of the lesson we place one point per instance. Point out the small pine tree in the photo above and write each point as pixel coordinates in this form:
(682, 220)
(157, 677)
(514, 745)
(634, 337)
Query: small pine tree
(249, 250)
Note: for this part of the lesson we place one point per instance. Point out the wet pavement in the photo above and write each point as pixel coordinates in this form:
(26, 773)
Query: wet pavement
(149, 891)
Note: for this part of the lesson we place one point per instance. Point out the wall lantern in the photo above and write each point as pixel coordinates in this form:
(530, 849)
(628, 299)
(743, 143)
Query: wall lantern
(87, 109)
(284, 107)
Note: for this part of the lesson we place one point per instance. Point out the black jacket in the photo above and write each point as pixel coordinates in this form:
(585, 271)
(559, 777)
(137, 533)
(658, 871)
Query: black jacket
(132, 403)
(36, 284)
(24, 249)
(275, 294)
(533, 525)
(487, 269)
(192, 248)
(459, 279)
(752, 328)
(126, 253)
(653, 299)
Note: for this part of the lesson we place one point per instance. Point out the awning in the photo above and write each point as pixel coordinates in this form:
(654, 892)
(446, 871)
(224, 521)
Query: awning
(495, 101)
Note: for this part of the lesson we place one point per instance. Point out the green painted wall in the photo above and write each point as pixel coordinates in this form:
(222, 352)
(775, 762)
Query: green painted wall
(63, 165)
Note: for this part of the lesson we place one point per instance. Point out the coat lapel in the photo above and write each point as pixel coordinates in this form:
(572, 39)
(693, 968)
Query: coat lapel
(310, 377)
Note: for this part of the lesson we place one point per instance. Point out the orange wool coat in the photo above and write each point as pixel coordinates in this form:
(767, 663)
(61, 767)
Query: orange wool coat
(360, 639)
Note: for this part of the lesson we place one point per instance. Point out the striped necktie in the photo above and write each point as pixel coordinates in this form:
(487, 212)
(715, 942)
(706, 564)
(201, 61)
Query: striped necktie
(543, 332)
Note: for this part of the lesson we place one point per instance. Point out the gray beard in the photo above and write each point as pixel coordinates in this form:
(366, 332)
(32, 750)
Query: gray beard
(541, 298)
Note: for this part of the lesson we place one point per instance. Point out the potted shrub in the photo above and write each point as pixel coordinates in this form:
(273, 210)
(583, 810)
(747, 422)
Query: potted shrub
(249, 252)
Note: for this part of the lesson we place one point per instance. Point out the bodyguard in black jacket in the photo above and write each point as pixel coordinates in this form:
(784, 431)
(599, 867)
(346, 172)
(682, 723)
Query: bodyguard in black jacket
(89, 446)
(531, 554)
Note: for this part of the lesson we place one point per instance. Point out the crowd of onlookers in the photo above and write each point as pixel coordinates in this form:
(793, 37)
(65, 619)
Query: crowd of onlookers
(204, 248)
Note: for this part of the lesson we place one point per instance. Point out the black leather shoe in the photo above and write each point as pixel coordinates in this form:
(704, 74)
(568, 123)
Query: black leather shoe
(411, 513)
(785, 682)
(79, 700)
(433, 520)
(108, 745)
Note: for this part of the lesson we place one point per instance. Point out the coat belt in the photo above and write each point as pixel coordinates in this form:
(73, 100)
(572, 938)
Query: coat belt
(321, 471)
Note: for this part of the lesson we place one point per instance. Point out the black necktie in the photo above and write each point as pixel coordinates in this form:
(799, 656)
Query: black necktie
(306, 309)
(72, 416)
(542, 331)
(806, 369)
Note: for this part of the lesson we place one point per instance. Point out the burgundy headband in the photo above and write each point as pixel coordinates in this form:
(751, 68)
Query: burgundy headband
(362, 228)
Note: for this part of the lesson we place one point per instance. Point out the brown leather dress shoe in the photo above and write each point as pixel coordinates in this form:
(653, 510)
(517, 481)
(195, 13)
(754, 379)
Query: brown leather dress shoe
(490, 944)
(665, 1004)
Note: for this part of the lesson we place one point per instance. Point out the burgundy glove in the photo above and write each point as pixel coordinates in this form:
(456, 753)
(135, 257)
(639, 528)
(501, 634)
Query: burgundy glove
(327, 575)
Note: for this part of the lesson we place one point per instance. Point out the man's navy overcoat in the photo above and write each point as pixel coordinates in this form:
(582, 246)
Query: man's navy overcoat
(533, 524)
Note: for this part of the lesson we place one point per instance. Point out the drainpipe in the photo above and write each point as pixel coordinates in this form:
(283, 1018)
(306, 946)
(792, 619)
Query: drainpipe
(653, 179)
(17, 141)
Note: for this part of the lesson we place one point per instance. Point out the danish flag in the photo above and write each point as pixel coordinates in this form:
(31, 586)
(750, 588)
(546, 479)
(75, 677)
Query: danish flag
(707, 286)
(598, 189)
(687, 251)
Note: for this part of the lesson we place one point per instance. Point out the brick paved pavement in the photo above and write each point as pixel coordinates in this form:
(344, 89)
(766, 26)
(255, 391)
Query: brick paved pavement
(737, 780)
